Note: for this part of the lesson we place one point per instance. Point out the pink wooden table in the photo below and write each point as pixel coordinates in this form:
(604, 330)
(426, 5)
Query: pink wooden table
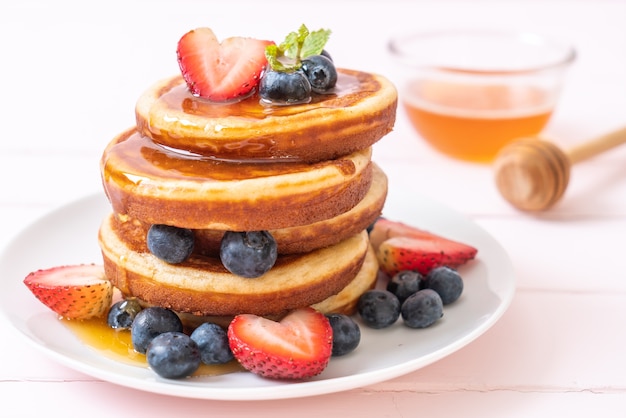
(73, 70)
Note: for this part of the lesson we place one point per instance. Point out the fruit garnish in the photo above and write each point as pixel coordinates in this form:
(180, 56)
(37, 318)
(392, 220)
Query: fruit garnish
(149, 323)
(248, 254)
(422, 309)
(400, 247)
(422, 254)
(378, 308)
(297, 347)
(447, 282)
(346, 333)
(173, 355)
(73, 291)
(212, 342)
(298, 45)
(220, 71)
(404, 283)
(170, 243)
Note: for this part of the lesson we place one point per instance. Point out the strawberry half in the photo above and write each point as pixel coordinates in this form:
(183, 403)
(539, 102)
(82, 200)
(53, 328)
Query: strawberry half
(74, 292)
(404, 247)
(297, 347)
(220, 71)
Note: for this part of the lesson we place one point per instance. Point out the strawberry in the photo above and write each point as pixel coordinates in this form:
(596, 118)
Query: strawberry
(73, 291)
(384, 229)
(404, 247)
(220, 71)
(422, 254)
(297, 347)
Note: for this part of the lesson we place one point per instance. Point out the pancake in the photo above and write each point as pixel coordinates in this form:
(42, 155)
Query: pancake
(359, 111)
(293, 240)
(343, 302)
(159, 185)
(202, 286)
(346, 300)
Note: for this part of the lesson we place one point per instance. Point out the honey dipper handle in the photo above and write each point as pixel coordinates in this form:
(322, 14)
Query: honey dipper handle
(598, 145)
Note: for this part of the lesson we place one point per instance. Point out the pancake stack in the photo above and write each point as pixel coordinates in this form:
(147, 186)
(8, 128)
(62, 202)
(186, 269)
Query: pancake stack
(303, 172)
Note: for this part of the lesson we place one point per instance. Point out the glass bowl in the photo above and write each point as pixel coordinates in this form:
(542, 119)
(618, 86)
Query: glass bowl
(470, 92)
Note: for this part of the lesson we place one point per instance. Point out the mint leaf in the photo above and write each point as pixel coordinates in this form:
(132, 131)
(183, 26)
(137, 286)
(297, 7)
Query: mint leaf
(314, 43)
(294, 41)
(298, 45)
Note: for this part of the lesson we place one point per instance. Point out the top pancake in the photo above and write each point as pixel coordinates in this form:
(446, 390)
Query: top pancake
(358, 112)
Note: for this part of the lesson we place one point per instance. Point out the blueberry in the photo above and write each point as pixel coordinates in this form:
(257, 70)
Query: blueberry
(169, 243)
(173, 355)
(151, 322)
(212, 341)
(371, 226)
(248, 254)
(378, 308)
(422, 309)
(447, 282)
(279, 87)
(346, 334)
(321, 72)
(404, 283)
(326, 54)
(122, 313)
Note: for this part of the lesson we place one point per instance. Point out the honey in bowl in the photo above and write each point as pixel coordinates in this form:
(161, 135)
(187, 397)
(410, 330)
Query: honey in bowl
(470, 92)
(473, 121)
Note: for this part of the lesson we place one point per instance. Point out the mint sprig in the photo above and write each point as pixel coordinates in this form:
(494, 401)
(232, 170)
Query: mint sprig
(288, 55)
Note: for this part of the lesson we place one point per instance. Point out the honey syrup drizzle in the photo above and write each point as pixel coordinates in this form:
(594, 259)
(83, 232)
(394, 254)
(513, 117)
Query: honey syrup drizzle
(117, 345)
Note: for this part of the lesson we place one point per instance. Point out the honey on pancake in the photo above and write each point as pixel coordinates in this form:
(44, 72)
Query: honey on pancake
(152, 159)
(250, 130)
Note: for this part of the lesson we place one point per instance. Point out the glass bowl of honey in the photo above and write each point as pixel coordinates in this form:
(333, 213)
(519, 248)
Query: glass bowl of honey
(470, 92)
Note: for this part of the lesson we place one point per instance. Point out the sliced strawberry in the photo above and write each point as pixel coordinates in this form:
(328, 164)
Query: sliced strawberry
(220, 72)
(74, 292)
(422, 254)
(385, 228)
(297, 347)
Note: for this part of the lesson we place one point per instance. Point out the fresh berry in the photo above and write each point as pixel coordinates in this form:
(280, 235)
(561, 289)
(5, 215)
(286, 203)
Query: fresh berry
(248, 254)
(346, 334)
(404, 283)
(326, 54)
(151, 322)
(447, 282)
(123, 313)
(277, 87)
(73, 291)
(288, 80)
(169, 243)
(422, 309)
(321, 73)
(384, 229)
(213, 343)
(173, 355)
(378, 308)
(220, 71)
(297, 347)
(421, 255)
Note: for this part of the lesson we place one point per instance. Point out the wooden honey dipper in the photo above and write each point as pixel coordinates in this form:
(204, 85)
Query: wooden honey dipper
(532, 174)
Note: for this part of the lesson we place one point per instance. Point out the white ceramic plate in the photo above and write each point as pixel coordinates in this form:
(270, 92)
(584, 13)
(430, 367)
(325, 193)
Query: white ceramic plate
(68, 236)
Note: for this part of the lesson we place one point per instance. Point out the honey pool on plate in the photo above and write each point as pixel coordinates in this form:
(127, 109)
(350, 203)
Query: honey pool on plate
(117, 345)
(473, 121)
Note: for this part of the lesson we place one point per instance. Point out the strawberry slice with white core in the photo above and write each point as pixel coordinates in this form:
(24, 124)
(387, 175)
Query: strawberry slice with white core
(422, 254)
(401, 246)
(220, 71)
(74, 291)
(297, 347)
